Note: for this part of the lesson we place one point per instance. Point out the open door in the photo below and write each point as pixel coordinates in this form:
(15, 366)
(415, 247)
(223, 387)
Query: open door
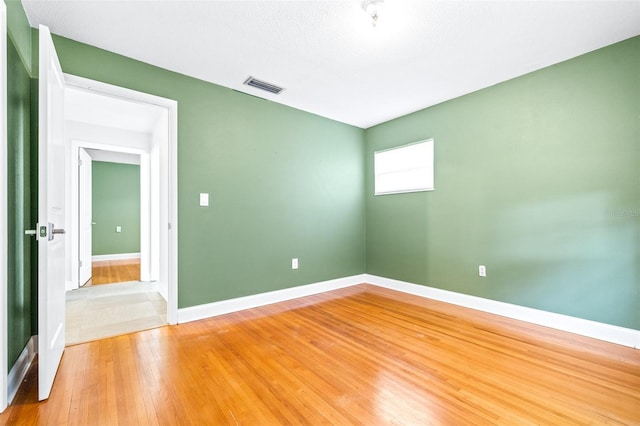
(51, 215)
(84, 216)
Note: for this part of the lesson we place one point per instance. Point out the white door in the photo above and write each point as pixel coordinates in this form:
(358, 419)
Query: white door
(51, 215)
(84, 215)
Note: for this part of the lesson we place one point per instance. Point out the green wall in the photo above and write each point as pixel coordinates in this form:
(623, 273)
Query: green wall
(115, 202)
(283, 183)
(537, 178)
(19, 31)
(19, 291)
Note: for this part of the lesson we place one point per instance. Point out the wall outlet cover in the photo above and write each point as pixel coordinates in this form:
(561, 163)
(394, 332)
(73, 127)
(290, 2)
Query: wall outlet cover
(482, 271)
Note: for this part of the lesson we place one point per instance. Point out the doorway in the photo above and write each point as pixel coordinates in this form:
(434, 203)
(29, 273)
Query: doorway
(109, 217)
(107, 124)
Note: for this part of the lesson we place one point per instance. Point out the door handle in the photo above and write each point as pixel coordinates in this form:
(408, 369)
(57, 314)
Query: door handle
(53, 231)
(43, 232)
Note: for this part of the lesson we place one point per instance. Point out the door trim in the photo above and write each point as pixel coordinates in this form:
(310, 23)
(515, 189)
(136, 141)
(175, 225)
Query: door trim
(170, 216)
(85, 208)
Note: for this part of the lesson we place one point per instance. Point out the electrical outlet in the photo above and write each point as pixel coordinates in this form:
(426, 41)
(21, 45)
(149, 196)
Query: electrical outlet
(482, 271)
(294, 263)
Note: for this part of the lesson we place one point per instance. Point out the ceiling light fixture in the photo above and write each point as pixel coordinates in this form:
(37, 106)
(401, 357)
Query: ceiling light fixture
(373, 7)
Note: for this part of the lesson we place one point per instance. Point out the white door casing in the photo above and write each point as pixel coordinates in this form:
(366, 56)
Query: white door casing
(84, 216)
(51, 215)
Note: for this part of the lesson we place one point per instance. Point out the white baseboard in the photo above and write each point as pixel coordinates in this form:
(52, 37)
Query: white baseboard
(198, 312)
(610, 333)
(597, 330)
(116, 256)
(21, 367)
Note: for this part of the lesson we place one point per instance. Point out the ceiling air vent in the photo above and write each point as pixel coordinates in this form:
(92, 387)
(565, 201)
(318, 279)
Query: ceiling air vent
(263, 85)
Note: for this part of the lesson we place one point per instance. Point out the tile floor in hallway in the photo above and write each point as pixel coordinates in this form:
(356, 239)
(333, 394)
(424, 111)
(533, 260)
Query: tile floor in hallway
(94, 313)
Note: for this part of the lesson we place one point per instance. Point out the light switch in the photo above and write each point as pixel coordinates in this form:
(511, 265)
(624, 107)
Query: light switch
(204, 199)
(118, 228)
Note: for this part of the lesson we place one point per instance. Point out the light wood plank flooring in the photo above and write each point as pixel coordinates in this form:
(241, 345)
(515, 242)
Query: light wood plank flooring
(97, 312)
(361, 355)
(114, 271)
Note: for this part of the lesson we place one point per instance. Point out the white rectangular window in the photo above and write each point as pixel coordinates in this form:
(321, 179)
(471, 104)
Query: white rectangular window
(407, 168)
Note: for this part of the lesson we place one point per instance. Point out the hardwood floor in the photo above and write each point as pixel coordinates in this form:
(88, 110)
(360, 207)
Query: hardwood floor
(360, 355)
(114, 271)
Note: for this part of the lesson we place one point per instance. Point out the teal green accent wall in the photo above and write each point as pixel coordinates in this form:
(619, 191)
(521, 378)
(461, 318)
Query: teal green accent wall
(19, 292)
(283, 183)
(116, 202)
(537, 178)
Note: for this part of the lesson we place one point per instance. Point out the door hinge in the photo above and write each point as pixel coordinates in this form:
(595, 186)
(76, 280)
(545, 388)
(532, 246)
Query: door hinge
(80, 263)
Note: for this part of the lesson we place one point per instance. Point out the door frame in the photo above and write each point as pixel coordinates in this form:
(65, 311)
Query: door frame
(145, 207)
(168, 147)
(4, 331)
(85, 205)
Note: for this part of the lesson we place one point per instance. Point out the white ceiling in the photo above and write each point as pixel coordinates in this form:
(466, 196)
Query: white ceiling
(330, 59)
